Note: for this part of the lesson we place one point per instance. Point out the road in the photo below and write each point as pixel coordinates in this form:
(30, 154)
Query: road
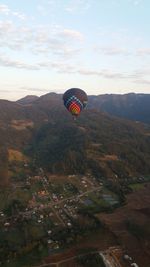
(52, 204)
(56, 264)
(109, 261)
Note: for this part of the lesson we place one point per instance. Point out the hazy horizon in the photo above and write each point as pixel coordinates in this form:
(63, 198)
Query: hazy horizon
(24, 96)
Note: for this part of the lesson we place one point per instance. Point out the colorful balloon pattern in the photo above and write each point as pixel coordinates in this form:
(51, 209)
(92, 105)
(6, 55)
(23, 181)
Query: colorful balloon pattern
(75, 100)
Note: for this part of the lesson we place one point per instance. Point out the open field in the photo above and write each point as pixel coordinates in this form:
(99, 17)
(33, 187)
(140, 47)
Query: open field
(131, 225)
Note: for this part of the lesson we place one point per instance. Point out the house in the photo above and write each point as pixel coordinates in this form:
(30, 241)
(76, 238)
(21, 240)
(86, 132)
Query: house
(134, 264)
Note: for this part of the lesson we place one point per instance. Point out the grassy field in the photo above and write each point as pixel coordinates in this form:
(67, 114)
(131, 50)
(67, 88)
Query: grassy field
(136, 186)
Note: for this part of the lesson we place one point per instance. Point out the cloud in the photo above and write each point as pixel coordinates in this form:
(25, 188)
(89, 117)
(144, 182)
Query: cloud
(68, 68)
(67, 52)
(8, 62)
(46, 7)
(14, 37)
(140, 76)
(5, 90)
(76, 35)
(142, 81)
(5, 10)
(106, 73)
(78, 6)
(62, 67)
(34, 89)
(64, 44)
(40, 40)
(143, 52)
(136, 76)
(58, 66)
(6, 27)
(19, 15)
(111, 51)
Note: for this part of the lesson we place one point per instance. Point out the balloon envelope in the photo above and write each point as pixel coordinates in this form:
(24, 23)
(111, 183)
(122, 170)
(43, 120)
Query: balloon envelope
(75, 100)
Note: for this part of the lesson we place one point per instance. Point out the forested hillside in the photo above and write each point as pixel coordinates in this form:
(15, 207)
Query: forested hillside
(45, 132)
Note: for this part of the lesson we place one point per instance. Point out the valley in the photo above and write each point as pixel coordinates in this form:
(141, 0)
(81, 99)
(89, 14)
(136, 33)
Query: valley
(72, 191)
(50, 214)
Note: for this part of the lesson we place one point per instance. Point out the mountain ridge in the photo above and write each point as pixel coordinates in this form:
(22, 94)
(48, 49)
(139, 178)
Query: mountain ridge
(131, 106)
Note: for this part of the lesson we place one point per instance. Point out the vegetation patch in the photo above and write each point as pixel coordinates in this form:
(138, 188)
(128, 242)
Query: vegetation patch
(136, 186)
(109, 157)
(15, 155)
(21, 124)
(91, 260)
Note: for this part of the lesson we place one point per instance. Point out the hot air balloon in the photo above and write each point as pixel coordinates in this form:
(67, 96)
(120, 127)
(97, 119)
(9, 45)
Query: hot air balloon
(75, 100)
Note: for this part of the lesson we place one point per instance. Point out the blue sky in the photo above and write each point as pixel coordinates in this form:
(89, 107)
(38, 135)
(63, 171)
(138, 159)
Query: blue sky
(101, 46)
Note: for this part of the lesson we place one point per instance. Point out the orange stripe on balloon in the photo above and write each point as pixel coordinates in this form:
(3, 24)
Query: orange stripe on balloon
(74, 108)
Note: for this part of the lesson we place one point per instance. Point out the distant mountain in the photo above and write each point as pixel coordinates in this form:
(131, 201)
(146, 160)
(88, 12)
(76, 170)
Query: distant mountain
(45, 132)
(131, 106)
(29, 99)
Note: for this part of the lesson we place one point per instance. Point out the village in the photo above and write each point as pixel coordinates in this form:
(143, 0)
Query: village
(39, 205)
(44, 211)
